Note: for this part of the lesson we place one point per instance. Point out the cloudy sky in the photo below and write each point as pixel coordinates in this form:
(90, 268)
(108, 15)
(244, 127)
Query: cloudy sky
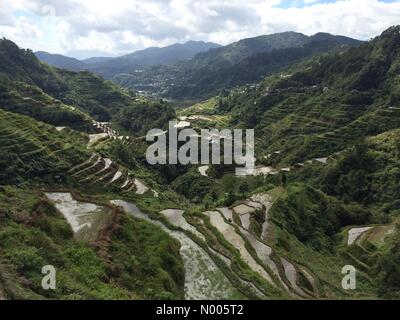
(83, 28)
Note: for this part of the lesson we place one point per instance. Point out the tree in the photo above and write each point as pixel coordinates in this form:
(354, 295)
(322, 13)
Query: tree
(230, 198)
(283, 179)
(397, 146)
(243, 188)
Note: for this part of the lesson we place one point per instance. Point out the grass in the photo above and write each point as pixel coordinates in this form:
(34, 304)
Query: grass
(32, 149)
(34, 234)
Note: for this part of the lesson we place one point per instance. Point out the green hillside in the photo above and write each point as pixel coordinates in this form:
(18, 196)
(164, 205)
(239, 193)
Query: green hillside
(79, 195)
(37, 157)
(324, 105)
(29, 87)
(34, 234)
(327, 128)
(36, 152)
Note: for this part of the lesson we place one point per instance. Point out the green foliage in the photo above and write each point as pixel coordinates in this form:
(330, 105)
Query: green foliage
(148, 260)
(243, 187)
(145, 261)
(315, 218)
(193, 186)
(388, 269)
(22, 65)
(350, 176)
(35, 151)
(29, 87)
(25, 259)
(26, 99)
(323, 105)
(366, 175)
(101, 99)
(141, 118)
(346, 101)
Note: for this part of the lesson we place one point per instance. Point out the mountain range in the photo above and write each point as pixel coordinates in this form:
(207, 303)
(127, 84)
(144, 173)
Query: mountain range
(109, 67)
(197, 70)
(246, 61)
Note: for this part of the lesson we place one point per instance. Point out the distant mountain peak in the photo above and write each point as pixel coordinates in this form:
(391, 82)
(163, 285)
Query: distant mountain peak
(61, 61)
(108, 67)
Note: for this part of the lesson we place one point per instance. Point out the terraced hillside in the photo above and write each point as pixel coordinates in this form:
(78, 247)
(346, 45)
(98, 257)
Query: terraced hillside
(89, 241)
(81, 197)
(34, 151)
(318, 108)
(94, 221)
(291, 245)
(223, 254)
(116, 257)
(327, 135)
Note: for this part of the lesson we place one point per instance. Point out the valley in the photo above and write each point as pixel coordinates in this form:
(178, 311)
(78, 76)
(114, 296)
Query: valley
(77, 192)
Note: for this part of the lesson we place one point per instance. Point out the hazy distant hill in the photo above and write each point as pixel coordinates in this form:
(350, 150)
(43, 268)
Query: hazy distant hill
(109, 67)
(235, 52)
(244, 61)
(61, 61)
(96, 60)
(149, 57)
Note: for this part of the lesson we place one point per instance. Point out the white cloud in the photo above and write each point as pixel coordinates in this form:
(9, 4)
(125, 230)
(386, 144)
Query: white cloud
(6, 19)
(360, 19)
(126, 25)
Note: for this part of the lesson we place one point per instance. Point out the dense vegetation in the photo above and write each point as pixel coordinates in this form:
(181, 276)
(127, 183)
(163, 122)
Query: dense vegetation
(315, 218)
(32, 88)
(145, 261)
(367, 176)
(148, 259)
(36, 152)
(387, 269)
(142, 261)
(56, 96)
(142, 117)
(342, 106)
(324, 105)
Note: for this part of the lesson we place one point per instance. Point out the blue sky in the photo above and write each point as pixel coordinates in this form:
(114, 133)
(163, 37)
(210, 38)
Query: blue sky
(305, 3)
(301, 3)
(83, 28)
